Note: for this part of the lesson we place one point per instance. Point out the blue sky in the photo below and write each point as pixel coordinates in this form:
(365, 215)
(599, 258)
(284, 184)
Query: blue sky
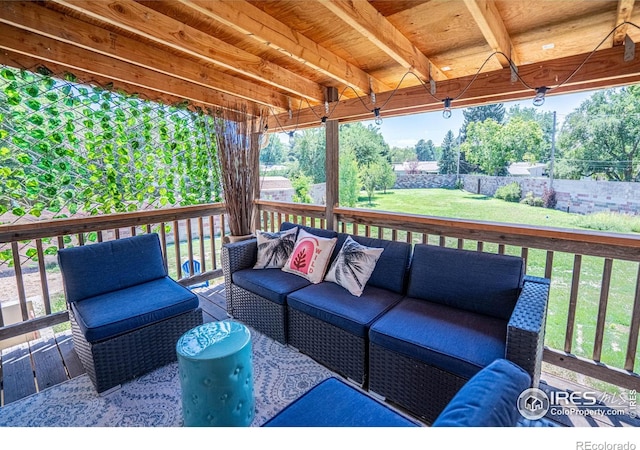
(408, 130)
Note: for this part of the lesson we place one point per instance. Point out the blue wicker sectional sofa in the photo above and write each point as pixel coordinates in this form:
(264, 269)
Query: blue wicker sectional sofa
(429, 318)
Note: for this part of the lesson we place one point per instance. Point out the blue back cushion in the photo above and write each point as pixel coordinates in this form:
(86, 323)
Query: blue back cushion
(391, 268)
(485, 283)
(96, 269)
(489, 399)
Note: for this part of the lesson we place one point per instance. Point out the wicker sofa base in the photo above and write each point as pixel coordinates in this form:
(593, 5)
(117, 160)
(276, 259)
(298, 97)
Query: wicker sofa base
(258, 312)
(333, 347)
(429, 391)
(125, 357)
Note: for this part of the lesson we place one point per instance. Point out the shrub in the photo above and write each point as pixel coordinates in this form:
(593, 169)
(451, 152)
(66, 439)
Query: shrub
(510, 192)
(549, 198)
(530, 200)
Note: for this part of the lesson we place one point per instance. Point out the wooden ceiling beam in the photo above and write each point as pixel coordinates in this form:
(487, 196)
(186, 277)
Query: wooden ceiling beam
(61, 27)
(74, 58)
(365, 18)
(605, 68)
(168, 32)
(487, 16)
(252, 22)
(625, 9)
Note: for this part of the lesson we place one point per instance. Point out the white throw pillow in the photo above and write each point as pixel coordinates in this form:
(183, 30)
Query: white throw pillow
(353, 266)
(310, 256)
(274, 248)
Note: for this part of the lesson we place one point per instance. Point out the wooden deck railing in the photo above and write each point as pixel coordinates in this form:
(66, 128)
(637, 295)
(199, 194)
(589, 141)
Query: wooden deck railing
(187, 234)
(590, 310)
(558, 254)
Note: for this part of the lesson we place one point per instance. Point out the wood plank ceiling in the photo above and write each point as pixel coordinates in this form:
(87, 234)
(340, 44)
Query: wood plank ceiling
(300, 60)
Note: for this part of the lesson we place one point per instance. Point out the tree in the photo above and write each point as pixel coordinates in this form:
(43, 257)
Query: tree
(544, 119)
(387, 176)
(480, 114)
(425, 151)
(310, 150)
(366, 142)
(301, 186)
(274, 153)
(369, 176)
(349, 179)
(400, 155)
(493, 146)
(448, 162)
(602, 137)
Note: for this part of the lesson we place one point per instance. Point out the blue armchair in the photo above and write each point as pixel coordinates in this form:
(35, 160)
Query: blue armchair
(126, 313)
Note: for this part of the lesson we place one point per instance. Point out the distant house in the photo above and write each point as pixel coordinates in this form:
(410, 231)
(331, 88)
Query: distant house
(525, 169)
(279, 183)
(416, 167)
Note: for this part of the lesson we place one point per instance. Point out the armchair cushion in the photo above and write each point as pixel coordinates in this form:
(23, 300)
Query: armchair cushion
(333, 304)
(455, 340)
(484, 283)
(272, 284)
(111, 314)
(488, 399)
(96, 269)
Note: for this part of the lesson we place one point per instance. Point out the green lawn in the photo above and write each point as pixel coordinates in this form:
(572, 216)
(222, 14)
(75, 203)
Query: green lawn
(463, 205)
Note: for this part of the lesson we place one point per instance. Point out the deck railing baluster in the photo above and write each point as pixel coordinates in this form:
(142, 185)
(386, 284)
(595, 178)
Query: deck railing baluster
(632, 344)
(602, 308)
(573, 303)
(44, 284)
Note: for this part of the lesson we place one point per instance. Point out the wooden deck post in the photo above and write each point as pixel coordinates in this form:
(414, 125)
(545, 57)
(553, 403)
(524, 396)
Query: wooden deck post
(332, 164)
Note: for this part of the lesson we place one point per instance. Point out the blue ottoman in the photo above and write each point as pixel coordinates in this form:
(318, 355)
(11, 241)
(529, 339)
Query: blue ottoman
(216, 375)
(334, 403)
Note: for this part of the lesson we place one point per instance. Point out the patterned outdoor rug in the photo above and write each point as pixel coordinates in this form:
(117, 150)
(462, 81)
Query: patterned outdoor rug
(154, 400)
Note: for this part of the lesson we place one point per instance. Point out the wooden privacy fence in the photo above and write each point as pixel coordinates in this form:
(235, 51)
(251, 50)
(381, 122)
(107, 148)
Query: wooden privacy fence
(580, 299)
(187, 234)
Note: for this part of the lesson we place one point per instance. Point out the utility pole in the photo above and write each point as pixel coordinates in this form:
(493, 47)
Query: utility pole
(553, 151)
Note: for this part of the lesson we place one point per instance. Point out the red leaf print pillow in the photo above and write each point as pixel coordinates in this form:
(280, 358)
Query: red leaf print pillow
(310, 256)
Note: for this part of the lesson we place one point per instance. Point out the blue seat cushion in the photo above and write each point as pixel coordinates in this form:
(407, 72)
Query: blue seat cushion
(108, 315)
(488, 399)
(392, 266)
(272, 284)
(486, 283)
(333, 304)
(333, 403)
(95, 269)
(457, 341)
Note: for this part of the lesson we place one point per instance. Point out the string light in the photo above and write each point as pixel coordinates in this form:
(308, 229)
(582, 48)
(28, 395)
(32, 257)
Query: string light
(446, 112)
(376, 113)
(538, 100)
(292, 139)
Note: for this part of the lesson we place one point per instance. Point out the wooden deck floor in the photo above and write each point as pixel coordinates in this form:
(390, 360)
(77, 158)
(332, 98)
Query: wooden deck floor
(31, 367)
(51, 359)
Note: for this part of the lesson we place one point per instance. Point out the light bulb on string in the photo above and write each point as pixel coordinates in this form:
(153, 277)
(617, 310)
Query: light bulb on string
(378, 119)
(292, 139)
(324, 121)
(538, 100)
(446, 112)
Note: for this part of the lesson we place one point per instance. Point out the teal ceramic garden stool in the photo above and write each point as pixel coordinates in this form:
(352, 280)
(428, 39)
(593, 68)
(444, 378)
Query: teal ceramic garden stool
(216, 375)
